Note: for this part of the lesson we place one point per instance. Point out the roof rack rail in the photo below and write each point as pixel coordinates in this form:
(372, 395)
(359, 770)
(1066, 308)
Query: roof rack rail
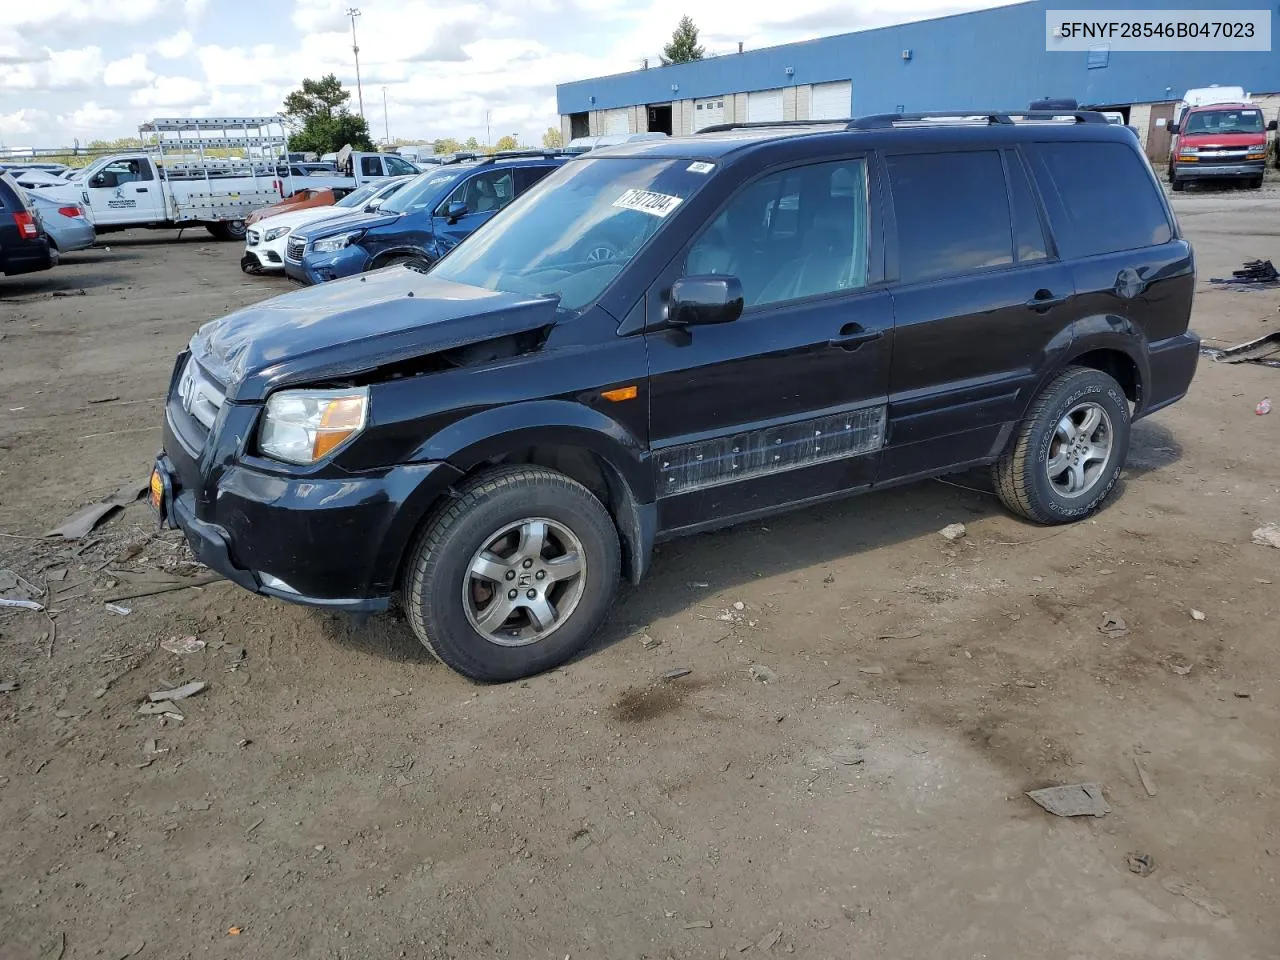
(767, 124)
(504, 155)
(882, 121)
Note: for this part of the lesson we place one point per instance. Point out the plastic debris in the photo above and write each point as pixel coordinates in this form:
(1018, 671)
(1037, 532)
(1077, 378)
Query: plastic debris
(953, 531)
(1140, 863)
(1076, 800)
(1145, 777)
(117, 609)
(84, 520)
(164, 708)
(21, 604)
(1197, 614)
(1263, 407)
(178, 693)
(677, 673)
(1268, 536)
(8, 686)
(181, 645)
(1113, 626)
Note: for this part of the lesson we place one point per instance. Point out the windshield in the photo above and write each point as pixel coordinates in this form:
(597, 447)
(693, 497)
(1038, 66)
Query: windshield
(577, 230)
(358, 198)
(419, 192)
(1225, 121)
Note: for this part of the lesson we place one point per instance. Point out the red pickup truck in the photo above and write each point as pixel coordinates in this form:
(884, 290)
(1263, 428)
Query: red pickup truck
(1220, 141)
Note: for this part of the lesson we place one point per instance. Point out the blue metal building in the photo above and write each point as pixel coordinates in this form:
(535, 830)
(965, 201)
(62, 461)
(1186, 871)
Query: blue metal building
(994, 58)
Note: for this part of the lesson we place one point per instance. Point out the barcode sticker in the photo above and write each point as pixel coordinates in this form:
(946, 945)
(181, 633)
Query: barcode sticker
(700, 166)
(656, 204)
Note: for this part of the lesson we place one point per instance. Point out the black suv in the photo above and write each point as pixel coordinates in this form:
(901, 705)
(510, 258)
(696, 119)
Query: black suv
(668, 336)
(24, 246)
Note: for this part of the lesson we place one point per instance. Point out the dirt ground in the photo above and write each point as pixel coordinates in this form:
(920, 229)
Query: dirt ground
(334, 793)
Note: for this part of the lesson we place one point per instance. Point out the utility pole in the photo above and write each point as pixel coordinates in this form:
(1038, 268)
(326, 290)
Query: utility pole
(386, 125)
(488, 139)
(354, 12)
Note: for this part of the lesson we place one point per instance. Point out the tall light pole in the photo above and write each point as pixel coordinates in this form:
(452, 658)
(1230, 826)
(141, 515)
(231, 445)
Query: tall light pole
(386, 125)
(354, 12)
(488, 139)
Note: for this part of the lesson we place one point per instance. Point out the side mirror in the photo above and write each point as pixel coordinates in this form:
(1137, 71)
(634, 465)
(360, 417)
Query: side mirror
(104, 179)
(1271, 125)
(1173, 128)
(695, 301)
(456, 210)
(373, 204)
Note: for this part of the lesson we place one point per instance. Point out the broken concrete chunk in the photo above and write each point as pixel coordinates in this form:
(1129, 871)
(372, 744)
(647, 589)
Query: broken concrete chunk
(953, 531)
(1268, 536)
(1113, 626)
(163, 708)
(1076, 800)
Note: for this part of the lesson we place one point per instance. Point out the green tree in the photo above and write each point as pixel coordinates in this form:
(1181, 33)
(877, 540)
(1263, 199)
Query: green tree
(552, 139)
(472, 144)
(320, 119)
(509, 142)
(683, 47)
(447, 145)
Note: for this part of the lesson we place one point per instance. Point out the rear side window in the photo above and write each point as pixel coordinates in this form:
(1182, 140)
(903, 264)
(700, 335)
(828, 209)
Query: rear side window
(370, 167)
(1106, 199)
(952, 211)
(1028, 233)
(526, 177)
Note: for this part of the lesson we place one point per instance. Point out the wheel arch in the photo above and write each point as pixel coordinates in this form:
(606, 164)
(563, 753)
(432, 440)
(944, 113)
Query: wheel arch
(380, 259)
(580, 442)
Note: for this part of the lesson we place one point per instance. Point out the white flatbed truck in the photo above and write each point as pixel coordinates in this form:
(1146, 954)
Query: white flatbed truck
(185, 177)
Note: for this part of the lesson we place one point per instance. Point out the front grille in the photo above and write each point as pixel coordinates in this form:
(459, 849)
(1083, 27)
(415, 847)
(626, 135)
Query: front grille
(295, 248)
(252, 237)
(1222, 154)
(194, 404)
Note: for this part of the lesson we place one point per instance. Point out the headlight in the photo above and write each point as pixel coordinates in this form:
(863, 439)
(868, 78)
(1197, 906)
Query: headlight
(275, 233)
(334, 244)
(302, 426)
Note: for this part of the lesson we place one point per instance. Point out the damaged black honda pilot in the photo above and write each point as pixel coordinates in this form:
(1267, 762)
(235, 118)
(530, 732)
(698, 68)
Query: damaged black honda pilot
(673, 335)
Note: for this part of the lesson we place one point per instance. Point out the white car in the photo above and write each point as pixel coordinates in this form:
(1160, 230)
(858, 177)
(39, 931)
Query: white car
(35, 179)
(264, 242)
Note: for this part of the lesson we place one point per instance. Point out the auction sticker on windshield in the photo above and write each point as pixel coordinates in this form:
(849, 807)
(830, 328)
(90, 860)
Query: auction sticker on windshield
(657, 204)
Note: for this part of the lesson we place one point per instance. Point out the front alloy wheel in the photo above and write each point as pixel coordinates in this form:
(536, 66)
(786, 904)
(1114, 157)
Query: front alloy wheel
(513, 574)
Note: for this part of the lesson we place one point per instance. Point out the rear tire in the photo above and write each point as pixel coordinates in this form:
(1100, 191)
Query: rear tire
(227, 230)
(479, 557)
(1178, 185)
(1068, 453)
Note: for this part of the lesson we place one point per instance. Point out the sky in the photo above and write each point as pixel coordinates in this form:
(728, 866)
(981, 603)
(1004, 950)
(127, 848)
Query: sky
(95, 69)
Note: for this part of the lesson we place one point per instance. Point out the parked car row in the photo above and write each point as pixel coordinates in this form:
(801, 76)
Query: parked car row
(35, 230)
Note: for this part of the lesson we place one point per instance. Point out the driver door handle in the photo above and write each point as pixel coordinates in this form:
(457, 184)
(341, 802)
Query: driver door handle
(852, 336)
(141, 189)
(1044, 299)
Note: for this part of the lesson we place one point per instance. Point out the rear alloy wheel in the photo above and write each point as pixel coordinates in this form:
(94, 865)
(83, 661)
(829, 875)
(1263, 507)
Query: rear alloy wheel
(514, 575)
(1069, 451)
(228, 230)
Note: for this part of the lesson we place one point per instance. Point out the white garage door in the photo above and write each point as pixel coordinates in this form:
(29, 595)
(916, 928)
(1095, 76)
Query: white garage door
(617, 121)
(831, 101)
(707, 113)
(764, 106)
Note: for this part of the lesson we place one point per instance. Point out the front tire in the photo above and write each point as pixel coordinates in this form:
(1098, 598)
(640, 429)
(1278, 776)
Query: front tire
(1068, 453)
(1178, 185)
(421, 264)
(514, 575)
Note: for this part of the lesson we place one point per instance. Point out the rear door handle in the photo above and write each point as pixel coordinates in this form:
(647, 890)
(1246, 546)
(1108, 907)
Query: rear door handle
(1044, 299)
(141, 189)
(853, 336)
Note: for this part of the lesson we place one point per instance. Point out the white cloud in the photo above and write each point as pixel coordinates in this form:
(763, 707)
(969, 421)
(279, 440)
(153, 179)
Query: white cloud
(193, 8)
(178, 45)
(129, 72)
(93, 118)
(21, 122)
(171, 92)
(241, 67)
(61, 14)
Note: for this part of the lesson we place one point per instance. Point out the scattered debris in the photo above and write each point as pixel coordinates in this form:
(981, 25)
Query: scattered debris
(243, 742)
(848, 757)
(876, 671)
(1241, 695)
(739, 605)
(953, 531)
(182, 645)
(649, 642)
(1263, 407)
(234, 931)
(255, 825)
(677, 673)
(1076, 800)
(1181, 669)
(1113, 626)
(80, 523)
(129, 551)
(1197, 614)
(1140, 863)
(698, 925)
(698, 585)
(1251, 272)
(170, 588)
(178, 693)
(117, 609)
(8, 686)
(1029, 684)
(1268, 536)
(21, 604)
(107, 399)
(1182, 887)
(1145, 777)
(769, 942)
(762, 673)
(164, 708)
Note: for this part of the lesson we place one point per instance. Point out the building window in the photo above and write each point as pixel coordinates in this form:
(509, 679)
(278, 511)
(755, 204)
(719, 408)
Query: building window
(1099, 56)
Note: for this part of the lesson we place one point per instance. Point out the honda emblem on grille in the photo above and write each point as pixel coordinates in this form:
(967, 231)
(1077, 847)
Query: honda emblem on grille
(187, 391)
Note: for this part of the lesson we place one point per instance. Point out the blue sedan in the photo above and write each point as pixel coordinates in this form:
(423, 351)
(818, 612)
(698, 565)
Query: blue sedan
(64, 222)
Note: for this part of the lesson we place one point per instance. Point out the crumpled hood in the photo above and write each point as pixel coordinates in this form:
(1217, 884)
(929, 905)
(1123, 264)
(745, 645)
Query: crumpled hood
(346, 327)
(358, 220)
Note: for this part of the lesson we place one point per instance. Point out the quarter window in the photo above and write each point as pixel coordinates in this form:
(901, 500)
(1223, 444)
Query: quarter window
(1028, 233)
(797, 233)
(1107, 200)
(952, 211)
